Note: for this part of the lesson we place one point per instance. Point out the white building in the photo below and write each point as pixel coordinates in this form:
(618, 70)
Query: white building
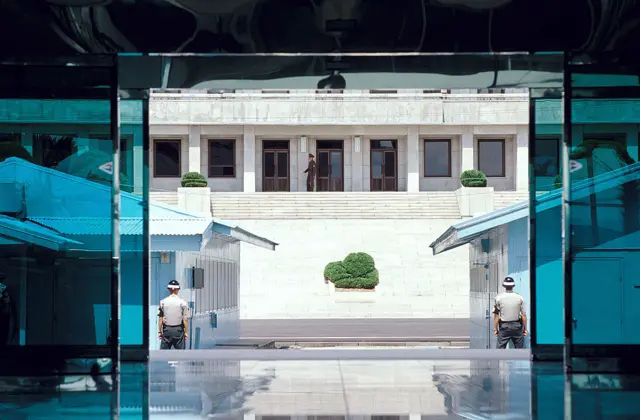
(389, 165)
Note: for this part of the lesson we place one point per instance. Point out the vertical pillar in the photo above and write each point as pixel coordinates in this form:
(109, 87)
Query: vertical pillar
(195, 154)
(413, 160)
(357, 164)
(522, 158)
(249, 176)
(466, 149)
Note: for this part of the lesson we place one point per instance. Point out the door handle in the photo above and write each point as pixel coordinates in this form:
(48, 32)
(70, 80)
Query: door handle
(575, 323)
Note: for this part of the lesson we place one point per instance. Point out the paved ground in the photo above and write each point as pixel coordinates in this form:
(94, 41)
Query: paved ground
(360, 328)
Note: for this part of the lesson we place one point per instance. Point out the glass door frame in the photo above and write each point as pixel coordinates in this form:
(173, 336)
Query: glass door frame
(329, 178)
(276, 152)
(384, 151)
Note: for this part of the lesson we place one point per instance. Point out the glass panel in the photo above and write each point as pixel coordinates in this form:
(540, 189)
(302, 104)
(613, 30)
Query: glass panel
(323, 164)
(604, 217)
(389, 164)
(269, 165)
(166, 155)
(376, 164)
(546, 308)
(491, 157)
(336, 164)
(283, 164)
(56, 223)
(329, 144)
(437, 159)
(275, 145)
(384, 144)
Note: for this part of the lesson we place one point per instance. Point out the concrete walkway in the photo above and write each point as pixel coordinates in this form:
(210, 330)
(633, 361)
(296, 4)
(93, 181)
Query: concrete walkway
(360, 329)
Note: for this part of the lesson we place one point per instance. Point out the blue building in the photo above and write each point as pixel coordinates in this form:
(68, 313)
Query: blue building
(606, 261)
(56, 237)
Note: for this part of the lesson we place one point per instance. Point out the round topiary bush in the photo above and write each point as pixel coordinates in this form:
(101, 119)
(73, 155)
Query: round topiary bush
(357, 271)
(473, 178)
(335, 271)
(193, 180)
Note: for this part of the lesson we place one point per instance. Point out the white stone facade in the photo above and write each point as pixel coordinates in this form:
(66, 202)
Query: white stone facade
(303, 119)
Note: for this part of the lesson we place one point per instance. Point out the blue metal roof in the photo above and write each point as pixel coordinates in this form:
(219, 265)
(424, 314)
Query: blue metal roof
(16, 230)
(82, 214)
(468, 230)
(128, 226)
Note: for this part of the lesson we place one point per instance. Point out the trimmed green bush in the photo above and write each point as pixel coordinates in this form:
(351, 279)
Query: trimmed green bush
(357, 271)
(8, 150)
(473, 178)
(193, 180)
(557, 182)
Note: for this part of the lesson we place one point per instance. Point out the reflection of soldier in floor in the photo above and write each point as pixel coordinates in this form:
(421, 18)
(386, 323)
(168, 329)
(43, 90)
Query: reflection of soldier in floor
(311, 173)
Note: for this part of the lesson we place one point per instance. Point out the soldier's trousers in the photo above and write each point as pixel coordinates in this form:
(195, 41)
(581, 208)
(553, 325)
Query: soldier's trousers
(172, 337)
(510, 331)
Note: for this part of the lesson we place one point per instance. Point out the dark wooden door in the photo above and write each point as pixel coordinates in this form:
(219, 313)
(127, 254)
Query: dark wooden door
(330, 170)
(275, 170)
(384, 170)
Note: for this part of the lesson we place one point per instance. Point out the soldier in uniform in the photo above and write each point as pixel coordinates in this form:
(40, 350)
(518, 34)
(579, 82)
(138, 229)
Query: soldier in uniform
(311, 173)
(509, 317)
(173, 323)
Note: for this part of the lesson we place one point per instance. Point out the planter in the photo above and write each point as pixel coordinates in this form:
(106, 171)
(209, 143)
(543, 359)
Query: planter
(474, 201)
(352, 295)
(195, 200)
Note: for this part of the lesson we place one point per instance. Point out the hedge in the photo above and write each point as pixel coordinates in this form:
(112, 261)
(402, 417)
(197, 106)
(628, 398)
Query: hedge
(356, 271)
(193, 180)
(473, 178)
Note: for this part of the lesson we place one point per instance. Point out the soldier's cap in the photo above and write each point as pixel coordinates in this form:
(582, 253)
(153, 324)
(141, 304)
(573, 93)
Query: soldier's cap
(509, 282)
(311, 155)
(173, 284)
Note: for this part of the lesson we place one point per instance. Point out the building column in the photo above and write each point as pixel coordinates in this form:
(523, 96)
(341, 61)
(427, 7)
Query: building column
(195, 155)
(522, 158)
(356, 164)
(249, 142)
(466, 149)
(413, 160)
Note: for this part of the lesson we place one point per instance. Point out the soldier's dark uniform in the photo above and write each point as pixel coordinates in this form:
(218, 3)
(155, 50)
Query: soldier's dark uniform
(311, 173)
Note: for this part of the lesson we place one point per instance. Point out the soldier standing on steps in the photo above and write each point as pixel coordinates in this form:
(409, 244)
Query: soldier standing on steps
(311, 173)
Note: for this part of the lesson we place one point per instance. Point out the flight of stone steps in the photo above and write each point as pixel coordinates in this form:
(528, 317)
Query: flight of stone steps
(502, 199)
(335, 205)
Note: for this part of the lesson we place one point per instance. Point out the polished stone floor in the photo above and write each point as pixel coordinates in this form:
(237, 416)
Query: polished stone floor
(325, 390)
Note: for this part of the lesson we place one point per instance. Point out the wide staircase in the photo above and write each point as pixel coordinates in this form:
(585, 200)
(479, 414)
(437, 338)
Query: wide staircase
(502, 199)
(335, 205)
(166, 197)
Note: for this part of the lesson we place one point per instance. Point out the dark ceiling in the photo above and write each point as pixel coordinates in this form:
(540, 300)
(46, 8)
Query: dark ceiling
(267, 26)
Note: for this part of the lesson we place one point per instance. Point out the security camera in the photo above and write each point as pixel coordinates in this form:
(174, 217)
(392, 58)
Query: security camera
(335, 81)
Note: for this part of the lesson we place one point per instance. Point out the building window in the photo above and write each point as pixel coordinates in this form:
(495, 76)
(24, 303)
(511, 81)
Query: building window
(547, 160)
(222, 158)
(437, 158)
(166, 158)
(491, 157)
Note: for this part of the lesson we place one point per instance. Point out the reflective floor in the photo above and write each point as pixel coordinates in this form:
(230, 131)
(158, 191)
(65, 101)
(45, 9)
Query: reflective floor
(325, 390)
